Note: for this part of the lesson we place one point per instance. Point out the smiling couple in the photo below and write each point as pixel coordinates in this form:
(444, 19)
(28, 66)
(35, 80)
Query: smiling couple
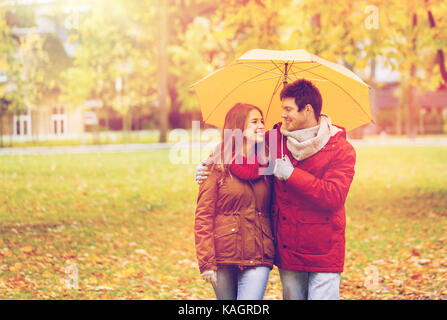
(248, 219)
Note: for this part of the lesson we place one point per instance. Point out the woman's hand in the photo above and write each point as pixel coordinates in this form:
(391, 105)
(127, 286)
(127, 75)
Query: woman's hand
(210, 276)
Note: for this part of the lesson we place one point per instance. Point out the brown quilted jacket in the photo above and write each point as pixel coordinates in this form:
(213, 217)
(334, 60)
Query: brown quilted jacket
(232, 222)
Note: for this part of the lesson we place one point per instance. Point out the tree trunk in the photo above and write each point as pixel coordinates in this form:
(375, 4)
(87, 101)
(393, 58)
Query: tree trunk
(440, 52)
(411, 114)
(162, 72)
(372, 76)
(127, 124)
(399, 119)
(410, 93)
(175, 117)
(1, 130)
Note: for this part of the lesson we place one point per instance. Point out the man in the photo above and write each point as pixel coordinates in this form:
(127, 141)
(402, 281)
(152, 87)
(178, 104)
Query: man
(314, 168)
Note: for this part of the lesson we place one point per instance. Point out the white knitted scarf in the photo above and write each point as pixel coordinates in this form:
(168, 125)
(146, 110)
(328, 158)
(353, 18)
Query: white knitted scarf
(304, 143)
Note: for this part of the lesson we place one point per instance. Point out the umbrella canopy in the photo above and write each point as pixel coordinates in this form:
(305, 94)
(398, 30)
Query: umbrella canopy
(258, 76)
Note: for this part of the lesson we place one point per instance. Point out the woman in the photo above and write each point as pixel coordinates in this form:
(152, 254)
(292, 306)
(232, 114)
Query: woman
(233, 234)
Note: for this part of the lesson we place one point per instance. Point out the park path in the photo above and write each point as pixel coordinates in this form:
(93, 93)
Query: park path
(104, 148)
(109, 148)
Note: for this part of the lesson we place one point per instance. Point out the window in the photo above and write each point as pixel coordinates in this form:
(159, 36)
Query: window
(59, 120)
(22, 124)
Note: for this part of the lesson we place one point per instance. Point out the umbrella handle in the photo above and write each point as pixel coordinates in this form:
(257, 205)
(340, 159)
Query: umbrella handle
(284, 83)
(282, 147)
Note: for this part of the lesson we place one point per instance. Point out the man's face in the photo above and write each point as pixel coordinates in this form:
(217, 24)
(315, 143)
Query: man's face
(292, 118)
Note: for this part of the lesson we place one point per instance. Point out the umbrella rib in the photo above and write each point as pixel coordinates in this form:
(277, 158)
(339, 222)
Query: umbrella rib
(271, 98)
(303, 70)
(264, 79)
(313, 79)
(341, 88)
(293, 61)
(237, 87)
(282, 72)
(257, 68)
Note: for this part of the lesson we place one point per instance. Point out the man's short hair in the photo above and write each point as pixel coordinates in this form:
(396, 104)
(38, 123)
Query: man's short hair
(304, 92)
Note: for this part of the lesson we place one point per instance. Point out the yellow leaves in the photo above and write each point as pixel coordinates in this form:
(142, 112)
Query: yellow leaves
(128, 271)
(93, 281)
(92, 259)
(28, 249)
(47, 274)
(16, 267)
(5, 252)
(141, 252)
(360, 259)
(38, 215)
(4, 64)
(152, 256)
(187, 263)
(100, 288)
(73, 38)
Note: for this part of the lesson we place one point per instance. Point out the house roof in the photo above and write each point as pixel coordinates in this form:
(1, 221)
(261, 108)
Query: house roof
(432, 99)
(384, 97)
(387, 97)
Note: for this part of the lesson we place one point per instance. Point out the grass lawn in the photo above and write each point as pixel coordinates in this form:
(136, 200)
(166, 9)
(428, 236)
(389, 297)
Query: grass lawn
(92, 139)
(123, 223)
(109, 137)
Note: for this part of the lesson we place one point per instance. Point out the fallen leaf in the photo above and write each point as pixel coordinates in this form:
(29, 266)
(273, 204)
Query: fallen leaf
(28, 249)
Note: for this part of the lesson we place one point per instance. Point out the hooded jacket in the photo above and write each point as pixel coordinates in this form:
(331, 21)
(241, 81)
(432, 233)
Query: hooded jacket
(233, 222)
(308, 210)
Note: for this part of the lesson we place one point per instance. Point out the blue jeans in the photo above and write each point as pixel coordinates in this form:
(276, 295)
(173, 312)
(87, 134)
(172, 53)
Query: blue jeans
(234, 284)
(300, 285)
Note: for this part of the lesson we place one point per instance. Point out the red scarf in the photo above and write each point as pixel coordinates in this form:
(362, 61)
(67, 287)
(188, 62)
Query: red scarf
(247, 168)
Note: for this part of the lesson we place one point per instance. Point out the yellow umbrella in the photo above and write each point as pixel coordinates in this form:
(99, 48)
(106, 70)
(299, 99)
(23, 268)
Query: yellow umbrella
(258, 76)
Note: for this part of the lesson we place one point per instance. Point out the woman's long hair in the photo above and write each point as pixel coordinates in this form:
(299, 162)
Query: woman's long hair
(233, 128)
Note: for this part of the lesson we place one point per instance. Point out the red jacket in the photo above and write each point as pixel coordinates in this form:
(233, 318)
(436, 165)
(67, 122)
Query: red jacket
(308, 211)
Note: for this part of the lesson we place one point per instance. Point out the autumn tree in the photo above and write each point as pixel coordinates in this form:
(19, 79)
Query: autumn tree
(25, 63)
(115, 60)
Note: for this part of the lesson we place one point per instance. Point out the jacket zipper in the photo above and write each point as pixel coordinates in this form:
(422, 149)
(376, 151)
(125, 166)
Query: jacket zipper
(258, 224)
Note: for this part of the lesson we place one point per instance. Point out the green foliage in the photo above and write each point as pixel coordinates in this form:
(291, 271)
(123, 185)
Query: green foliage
(116, 45)
(191, 56)
(31, 62)
(120, 40)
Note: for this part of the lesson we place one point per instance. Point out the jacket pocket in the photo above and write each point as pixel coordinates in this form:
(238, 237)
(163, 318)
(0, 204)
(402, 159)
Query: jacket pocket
(314, 232)
(225, 240)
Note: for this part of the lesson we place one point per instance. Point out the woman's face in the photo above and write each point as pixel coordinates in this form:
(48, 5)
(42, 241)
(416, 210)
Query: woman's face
(254, 127)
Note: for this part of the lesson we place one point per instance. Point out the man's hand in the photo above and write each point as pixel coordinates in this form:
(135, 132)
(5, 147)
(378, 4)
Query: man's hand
(210, 276)
(283, 168)
(203, 171)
